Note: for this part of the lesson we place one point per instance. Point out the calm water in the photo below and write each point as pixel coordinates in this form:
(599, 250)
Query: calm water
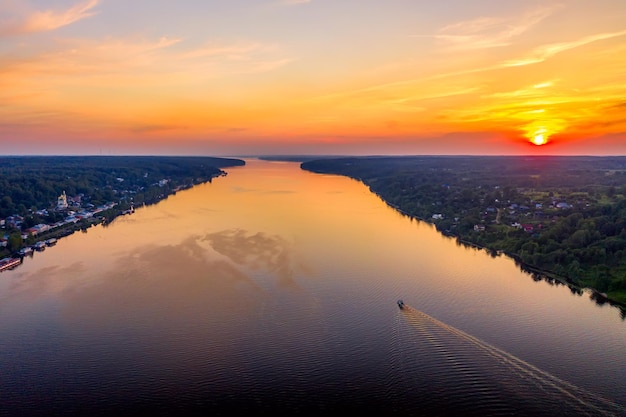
(273, 289)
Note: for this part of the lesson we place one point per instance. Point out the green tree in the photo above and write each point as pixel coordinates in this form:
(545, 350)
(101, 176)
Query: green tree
(15, 241)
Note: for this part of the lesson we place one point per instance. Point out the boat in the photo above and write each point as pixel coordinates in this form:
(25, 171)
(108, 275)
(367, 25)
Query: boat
(9, 263)
(40, 245)
(401, 304)
(26, 251)
(51, 241)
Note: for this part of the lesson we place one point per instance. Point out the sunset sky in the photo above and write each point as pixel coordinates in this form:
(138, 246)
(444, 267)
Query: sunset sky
(244, 77)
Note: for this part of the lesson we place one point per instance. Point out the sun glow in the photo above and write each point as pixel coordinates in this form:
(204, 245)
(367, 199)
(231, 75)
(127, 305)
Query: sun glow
(539, 133)
(539, 139)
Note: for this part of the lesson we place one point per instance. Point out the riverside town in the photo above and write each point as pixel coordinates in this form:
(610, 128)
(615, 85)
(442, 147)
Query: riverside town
(34, 213)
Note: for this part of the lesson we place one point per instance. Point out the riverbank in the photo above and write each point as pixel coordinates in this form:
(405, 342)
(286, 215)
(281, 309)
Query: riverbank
(536, 273)
(563, 216)
(50, 237)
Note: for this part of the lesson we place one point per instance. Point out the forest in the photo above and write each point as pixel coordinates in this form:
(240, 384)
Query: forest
(564, 217)
(31, 183)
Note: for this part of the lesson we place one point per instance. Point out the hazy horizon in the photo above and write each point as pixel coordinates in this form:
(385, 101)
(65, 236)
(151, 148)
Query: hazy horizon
(313, 155)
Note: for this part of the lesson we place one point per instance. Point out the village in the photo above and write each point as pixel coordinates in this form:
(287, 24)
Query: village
(529, 218)
(40, 236)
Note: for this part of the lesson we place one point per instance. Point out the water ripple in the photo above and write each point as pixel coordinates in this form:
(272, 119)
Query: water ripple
(486, 380)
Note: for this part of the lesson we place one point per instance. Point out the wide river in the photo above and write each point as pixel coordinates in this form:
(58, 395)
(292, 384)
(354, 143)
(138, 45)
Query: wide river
(274, 290)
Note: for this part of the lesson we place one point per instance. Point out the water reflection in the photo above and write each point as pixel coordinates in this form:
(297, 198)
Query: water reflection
(256, 251)
(53, 279)
(166, 284)
(213, 269)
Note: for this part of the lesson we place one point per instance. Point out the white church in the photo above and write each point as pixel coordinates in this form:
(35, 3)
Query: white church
(62, 202)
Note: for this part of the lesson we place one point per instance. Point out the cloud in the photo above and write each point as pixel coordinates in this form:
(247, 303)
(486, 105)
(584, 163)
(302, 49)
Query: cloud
(490, 32)
(48, 20)
(154, 128)
(88, 58)
(294, 2)
(115, 69)
(537, 55)
(264, 66)
(544, 52)
(233, 51)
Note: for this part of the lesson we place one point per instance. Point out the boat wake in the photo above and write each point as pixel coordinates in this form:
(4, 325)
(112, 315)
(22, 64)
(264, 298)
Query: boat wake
(487, 378)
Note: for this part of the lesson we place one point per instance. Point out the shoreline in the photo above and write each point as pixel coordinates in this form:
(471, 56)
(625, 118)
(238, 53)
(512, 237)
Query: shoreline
(599, 297)
(51, 237)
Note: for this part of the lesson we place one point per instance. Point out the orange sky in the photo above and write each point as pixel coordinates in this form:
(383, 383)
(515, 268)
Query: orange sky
(245, 77)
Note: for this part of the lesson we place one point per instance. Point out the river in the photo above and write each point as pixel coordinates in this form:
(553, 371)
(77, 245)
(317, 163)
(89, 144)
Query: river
(274, 290)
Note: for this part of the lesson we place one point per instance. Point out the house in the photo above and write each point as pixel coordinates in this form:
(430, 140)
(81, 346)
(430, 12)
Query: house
(31, 231)
(479, 227)
(14, 222)
(528, 228)
(437, 216)
(71, 219)
(37, 229)
(84, 214)
(74, 201)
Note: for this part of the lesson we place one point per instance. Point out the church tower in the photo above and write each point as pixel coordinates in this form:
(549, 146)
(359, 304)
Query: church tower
(62, 202)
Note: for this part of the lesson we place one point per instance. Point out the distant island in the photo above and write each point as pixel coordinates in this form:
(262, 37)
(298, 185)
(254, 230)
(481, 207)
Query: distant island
(560, 218)
(43, 198)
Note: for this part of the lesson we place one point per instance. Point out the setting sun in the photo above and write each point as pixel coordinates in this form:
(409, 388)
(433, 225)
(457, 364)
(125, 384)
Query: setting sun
(539, 139)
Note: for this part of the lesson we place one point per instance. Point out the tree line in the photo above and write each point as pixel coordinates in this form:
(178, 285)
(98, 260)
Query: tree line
(34, 182)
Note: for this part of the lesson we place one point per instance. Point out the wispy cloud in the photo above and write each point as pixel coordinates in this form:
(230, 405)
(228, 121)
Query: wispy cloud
(265, 66)
(126, 66)
(293, 2)
(490, 32)
(541, 89)
(89, 58)
(86, 57)
(47, 20)
(154, 128)
(233, 51)
(535, 56)
(544, 52)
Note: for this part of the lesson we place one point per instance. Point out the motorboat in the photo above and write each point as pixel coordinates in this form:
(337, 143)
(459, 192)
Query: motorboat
(9, 263)
(401, 304)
